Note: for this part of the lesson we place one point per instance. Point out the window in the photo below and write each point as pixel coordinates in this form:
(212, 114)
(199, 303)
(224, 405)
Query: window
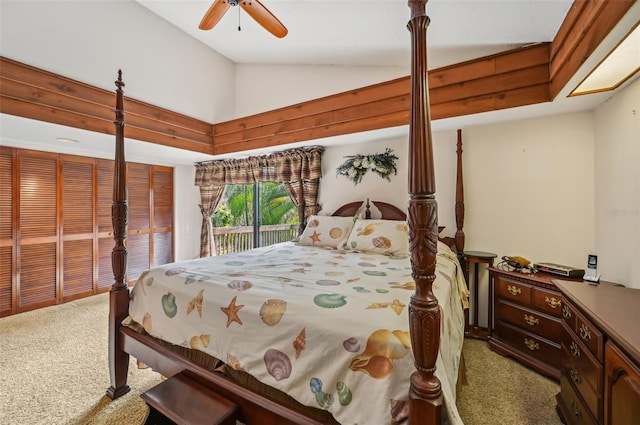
(254, 215)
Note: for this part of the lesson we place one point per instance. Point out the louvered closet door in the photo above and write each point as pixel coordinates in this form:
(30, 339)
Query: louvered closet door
(6, 231)
(38, 232)
(139, 234)
(77, 227)
(162, 215)
(105, 227)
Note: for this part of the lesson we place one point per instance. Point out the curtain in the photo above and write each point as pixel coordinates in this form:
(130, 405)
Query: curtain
(210, 197)
(290, 167)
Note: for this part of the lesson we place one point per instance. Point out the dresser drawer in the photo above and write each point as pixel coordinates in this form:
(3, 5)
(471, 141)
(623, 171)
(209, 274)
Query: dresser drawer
(530, 320)
(568, 314)
(590, 336)
(513, 290)
(591, 397)
(578, 356)
(577, 413)
(529, 343)
(547, 301)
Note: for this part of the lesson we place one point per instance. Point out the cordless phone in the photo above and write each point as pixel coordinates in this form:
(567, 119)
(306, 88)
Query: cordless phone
(591, 273)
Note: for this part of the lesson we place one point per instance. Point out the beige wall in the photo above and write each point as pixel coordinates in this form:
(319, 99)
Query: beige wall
(617, 187)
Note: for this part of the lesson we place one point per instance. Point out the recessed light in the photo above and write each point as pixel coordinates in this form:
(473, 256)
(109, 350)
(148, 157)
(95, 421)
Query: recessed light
(619, 66)
(66, 140)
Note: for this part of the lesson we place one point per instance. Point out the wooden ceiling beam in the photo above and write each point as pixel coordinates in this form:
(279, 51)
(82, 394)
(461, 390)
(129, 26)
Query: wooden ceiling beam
(519, 77)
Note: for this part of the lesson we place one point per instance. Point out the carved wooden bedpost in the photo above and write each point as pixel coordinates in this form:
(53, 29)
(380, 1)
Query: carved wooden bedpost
(119, 295)
(459, 208)
(425, 393)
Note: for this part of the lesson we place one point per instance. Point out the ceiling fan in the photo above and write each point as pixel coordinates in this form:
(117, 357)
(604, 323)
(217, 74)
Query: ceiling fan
(254, 8)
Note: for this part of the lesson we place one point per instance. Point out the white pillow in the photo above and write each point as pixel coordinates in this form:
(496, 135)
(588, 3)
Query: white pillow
(328, 231)
(389, 237)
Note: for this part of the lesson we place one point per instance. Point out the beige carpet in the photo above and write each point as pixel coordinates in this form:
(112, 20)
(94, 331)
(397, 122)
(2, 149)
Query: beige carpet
(50, 377)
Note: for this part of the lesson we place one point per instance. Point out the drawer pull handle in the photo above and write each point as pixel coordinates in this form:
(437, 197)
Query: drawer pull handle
(514, 290)
(575, 377)
(575, 350)
(575, 411)
(531, 320)
(566, 313)
(531, 344)
(585, 333)
(552, 302)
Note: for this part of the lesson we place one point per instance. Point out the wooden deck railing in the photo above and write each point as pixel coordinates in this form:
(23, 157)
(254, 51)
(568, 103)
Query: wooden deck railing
(240, 238)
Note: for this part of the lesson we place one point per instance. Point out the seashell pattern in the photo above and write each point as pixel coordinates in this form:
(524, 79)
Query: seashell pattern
(174, 271)
(374, 273)
(199, 342)
(335, 233)
(363, 264)
(383, 347)
(324, 400)
(277, 363)
(146, 322)
(240, 285)
(233, 362)
(361, 289)
(234, 263)
(196, 303)
(300, 342)
(351, 344)
(381, 242)
(316, 385)
(169, 305)
(313, 223)
(344, 393)
(272, 311)
(329, 300)
(326, 282)
(333, 274)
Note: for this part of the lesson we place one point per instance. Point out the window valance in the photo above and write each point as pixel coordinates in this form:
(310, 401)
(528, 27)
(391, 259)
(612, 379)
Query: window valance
(288, 166)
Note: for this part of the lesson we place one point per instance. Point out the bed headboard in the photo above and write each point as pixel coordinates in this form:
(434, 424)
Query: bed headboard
(388, 211)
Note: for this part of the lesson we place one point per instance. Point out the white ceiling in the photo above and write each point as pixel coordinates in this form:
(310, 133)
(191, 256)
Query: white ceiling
(368, 32)
(351, 32)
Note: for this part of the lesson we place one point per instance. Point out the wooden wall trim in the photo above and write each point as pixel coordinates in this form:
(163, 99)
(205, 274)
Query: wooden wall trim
(515, 78)
(524, 76)
(586, 24)
(33, 93)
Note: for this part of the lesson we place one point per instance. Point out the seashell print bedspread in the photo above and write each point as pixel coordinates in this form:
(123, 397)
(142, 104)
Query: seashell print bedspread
(327, 327)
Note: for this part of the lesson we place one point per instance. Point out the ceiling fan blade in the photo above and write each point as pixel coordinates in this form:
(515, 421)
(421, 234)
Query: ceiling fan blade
(213, 15)
(261, 14)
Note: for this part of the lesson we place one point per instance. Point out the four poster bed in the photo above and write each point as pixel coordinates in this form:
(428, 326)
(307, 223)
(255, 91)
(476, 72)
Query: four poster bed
(353, 330)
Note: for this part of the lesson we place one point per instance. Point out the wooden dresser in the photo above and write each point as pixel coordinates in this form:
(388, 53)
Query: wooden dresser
(600, 382)
(527, 319)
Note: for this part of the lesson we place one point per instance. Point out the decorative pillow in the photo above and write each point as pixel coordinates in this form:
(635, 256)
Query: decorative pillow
(328, 231)
(389, 237)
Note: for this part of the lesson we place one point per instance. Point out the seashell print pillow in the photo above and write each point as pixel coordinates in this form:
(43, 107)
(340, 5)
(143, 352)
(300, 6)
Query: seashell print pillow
(327, 231)
(388, 237)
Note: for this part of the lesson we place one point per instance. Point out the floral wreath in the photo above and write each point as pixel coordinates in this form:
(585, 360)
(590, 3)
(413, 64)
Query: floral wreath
(356, 166)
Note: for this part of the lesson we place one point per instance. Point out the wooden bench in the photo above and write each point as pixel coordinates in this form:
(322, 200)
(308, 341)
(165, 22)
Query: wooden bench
(183, 401)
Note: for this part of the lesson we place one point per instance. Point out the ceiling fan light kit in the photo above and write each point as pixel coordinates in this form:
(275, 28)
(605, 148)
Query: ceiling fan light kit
(254, 8)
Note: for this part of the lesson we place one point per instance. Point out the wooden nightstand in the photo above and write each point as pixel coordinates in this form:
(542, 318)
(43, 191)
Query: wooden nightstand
(476, 258)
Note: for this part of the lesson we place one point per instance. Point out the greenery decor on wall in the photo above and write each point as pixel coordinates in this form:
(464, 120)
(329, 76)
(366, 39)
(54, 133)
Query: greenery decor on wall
(356, 166)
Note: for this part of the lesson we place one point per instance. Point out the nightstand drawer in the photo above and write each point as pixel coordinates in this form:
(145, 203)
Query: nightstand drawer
(547, 301)
(578, 413)
(529, 343)
(530, 320)
(512, 290)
